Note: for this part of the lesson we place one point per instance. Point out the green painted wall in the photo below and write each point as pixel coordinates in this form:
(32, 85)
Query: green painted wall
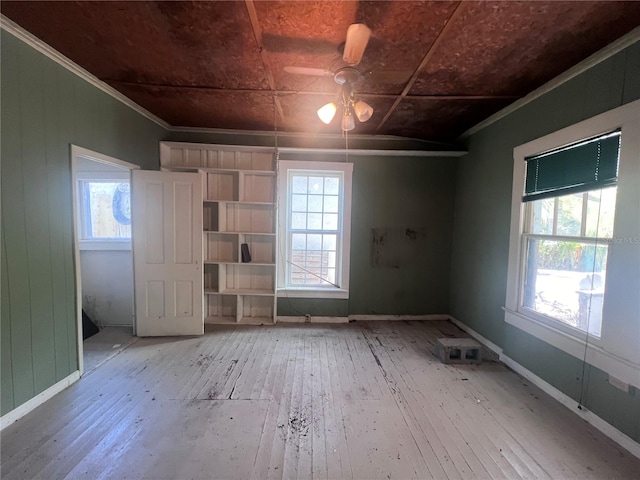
(45, 109)
(396, 193)
(481, 230)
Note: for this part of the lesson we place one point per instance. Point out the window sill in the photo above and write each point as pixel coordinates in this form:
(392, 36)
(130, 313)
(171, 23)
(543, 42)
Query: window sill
(291, 292)
(595, 355)
(104, 245)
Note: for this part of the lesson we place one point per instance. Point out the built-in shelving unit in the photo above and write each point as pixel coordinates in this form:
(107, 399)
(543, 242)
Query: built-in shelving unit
(239, 190)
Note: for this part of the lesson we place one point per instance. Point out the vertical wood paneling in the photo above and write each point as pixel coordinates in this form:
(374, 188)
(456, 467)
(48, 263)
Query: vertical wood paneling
(34, 178)
(13, 227)
(6, 392)
(65, 126)
(55, 153)
(45, 109)
(483, 189)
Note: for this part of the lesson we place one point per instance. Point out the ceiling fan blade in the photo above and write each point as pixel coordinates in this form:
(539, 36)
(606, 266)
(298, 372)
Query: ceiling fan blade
(393, 77)
(357, 38)
(315, 72)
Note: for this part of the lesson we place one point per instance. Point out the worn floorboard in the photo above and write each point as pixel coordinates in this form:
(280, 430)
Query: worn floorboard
(363, 400)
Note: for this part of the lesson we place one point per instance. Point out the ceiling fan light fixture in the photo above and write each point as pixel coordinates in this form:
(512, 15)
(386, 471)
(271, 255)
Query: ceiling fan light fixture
(363, 111)
(348, 123)
(327, 112)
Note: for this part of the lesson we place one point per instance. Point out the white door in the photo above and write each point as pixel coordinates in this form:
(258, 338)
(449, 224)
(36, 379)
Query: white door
(167, 253)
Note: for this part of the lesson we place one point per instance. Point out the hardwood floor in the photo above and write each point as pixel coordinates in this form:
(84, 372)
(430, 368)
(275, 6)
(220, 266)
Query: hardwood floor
(363, 400)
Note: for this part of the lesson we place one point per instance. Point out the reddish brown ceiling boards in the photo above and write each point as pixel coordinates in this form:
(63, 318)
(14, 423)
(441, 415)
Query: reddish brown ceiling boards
(220, 64)
(440, 119)
(160, 43)
(510, 48)
(196, 107)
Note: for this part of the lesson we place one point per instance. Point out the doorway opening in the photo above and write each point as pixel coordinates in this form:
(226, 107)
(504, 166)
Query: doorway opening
(103, 256)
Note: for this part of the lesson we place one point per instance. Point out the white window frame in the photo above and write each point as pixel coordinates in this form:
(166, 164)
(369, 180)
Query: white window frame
(85, 243)
(344, 241)
(616, 351)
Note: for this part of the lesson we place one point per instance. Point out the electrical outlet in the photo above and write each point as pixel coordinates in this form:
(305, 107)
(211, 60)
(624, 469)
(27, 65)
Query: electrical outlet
(307, 318)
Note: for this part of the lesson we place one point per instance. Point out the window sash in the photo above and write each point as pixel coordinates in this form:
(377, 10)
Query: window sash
(322, 283)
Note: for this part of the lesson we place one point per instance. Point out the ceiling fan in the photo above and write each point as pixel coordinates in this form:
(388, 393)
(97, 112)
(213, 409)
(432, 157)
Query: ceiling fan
(358, 35)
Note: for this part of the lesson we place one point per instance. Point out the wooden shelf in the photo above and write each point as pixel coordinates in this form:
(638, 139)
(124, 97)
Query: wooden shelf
(220, 320)
(256, 321)
(239, 207)
(248, 264)
(249, 292)
(239, 202)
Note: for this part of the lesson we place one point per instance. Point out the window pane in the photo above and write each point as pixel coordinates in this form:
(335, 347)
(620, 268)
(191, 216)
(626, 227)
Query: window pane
(299, 241)
(314, 221)
(329, 242)
(315, 203)
(332, 185)
(543, 216)
(299, 184)
(565, 281)
(331, 204)
(330, 221)
(299, 203)
(316, 185)
(314, 242)
(569, 214)
(299, 221)
(107, 210)
(601, 208)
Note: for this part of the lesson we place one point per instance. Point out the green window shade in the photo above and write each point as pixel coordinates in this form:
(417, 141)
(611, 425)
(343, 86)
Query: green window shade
(587, 165)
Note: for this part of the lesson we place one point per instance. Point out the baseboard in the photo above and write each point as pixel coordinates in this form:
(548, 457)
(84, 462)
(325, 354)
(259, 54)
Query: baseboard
(609, 430)
(485, 341)
(19, 412)
(311, 319)
(366, 318)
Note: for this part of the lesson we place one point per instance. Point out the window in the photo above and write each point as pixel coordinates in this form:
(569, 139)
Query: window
(566, 244)
(566, 235)
(574, 244)
(314, 220)
(104, 210)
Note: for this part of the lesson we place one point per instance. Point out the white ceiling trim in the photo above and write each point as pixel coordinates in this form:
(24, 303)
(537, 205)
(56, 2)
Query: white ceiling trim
(601, 55)
(49, 52)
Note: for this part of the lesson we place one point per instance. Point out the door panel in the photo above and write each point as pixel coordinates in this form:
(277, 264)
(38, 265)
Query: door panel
(167, 252)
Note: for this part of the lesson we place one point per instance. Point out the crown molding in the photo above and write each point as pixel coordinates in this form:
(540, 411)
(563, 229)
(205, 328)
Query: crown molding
(280, 133)
(17, 31)
(601, 55)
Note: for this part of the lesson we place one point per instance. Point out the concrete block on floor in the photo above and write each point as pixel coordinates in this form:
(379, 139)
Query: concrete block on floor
(459, 351)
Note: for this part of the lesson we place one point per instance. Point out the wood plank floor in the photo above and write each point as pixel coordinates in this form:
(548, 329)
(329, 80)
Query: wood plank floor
(363, 400)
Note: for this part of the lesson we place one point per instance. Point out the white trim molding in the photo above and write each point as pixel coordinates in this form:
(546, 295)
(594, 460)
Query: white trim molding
(76, 153)
(19, 412)
(601, 55)
(485, 341)
(310, 319)
(609, 430)
(366, 318)
(615, 352)
(49, 52)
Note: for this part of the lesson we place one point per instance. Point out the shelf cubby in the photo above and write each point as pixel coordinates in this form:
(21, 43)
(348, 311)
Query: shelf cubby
(256, 310)
(220, 308)
(239, 206)
(220, 248)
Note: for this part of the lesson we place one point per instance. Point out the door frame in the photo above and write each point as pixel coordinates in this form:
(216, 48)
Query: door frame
(81, 152)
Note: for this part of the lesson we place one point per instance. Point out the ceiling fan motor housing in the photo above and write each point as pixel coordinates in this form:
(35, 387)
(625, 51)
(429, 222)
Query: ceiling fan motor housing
(348, 75)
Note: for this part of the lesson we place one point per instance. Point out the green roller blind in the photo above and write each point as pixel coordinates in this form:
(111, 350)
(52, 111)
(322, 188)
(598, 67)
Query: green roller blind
(583, 166)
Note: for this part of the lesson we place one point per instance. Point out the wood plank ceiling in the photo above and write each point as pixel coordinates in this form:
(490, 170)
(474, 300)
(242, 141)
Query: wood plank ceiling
(437, 68)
